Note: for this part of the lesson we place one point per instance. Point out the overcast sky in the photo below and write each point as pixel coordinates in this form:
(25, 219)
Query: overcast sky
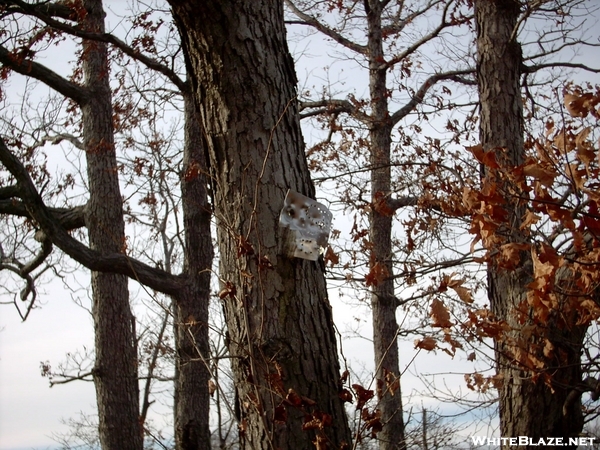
(29, 410)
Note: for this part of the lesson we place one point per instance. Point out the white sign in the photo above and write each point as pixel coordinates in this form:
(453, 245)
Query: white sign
(306, 224)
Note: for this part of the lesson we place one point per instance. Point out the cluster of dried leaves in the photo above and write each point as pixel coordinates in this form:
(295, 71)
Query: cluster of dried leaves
(558, 186)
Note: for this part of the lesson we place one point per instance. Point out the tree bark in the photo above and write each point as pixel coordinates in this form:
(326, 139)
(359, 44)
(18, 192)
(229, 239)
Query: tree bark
(281, 337)
(190, 316)
(115, 369)
(383, 299)
(527, 408)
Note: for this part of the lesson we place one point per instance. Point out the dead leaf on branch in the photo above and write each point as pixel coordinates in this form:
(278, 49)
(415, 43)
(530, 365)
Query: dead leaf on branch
(428, 343)
(376, 275)
(563, 142)
(454, 344)
(529, 218)
(244, 247)
(344, 376)
(484, 324)
(457, 285)
(280, 414)
(487, 158)
(544, 175)
(585, 150)
(544, 269)
(243, 427)
(576, 174)
(317, 421)
(548, 348)
(580, 105)
(511, 254)
(372, 421)
(331, 257)
(440, 315)
(276, 383)
(392, 381)
(380, 205)
(477, 382)
(363, 395)
(588, 311)
(193, 171)
(293, 399)
(229, 290)
(346, 396)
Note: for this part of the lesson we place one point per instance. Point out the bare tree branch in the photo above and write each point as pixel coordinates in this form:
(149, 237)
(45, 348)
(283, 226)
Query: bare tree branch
(415, 46)
(401, 202)
(8, 192)
(36, 11)
(51, 9)
(146, 402)
(311, 21)
(333, 106)
(42, 73)
(536, 67)
(115, 263)
(420, 94)
(69, 218)
(398, 25)
(24, 272)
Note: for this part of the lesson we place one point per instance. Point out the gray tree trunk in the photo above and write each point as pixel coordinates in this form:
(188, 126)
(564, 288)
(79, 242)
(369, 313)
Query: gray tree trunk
(115, 370)
(281, 337)
(527, 408)
(191, 304)
(383, 299)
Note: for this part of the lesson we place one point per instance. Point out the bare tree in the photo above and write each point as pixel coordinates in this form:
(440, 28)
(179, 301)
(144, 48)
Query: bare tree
(281, 337)
(116, 359)
(539, 389)
(375, 33)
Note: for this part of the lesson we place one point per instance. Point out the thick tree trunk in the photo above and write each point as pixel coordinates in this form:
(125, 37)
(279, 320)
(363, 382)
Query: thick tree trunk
(527, 408)
(281, 337)
(383, 299)
(115, 370)
(191, 305)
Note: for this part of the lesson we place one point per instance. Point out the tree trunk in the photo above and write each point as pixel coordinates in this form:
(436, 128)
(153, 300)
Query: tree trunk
(383, 299)
(281, 337)
(115, 370)
(191, 305)
(527, 408)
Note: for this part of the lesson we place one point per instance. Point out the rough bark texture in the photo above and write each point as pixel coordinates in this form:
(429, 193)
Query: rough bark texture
(191, 304)
(115, 370)
(383, 299)
(281, 335)
(526, 408)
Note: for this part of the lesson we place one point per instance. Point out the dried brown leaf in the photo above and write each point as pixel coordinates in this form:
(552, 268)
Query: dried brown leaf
(439, 314)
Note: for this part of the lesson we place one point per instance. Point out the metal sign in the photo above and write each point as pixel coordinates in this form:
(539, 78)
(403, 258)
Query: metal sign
(306, 224)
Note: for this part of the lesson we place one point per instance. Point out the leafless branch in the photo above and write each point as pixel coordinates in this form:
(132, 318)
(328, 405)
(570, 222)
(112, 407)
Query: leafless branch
(536, 67)
(333, 106)
(69, 218)
(40, 72)
(417, 44)
(115, 263)
(311, 21)
(420, 94)
(40, 13)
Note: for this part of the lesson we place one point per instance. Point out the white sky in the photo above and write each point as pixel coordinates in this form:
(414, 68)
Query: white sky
(29, 410)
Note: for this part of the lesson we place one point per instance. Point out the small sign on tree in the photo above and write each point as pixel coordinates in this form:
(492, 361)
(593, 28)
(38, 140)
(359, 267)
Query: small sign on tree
(306, 224)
